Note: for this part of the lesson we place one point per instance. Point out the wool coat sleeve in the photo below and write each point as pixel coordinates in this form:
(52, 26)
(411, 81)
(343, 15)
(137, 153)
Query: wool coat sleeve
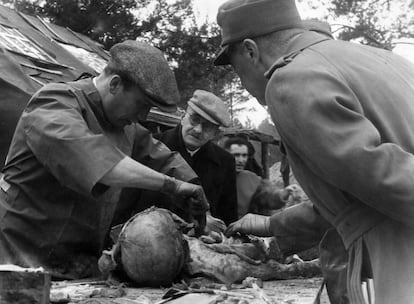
(298, 228)
(325, 124)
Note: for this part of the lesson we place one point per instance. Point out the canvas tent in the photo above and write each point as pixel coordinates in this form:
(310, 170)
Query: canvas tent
(34, 52)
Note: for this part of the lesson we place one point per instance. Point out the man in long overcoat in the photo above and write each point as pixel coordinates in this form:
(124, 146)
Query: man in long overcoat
(345, 115)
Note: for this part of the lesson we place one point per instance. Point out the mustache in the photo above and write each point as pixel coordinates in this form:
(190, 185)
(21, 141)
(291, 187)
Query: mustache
(196, 135)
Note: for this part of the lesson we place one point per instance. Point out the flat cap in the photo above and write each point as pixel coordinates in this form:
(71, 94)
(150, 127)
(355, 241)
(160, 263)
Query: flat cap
(146, 66)
(210, 107)
(241, 19)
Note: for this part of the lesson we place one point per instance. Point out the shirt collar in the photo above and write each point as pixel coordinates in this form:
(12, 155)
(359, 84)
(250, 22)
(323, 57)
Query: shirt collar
(207, 151)
(192, 152)
(94, 100)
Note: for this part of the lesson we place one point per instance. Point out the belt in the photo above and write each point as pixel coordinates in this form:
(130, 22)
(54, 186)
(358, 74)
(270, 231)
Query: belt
(355, 220)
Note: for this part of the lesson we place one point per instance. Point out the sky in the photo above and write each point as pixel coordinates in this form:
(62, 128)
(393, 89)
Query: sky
(208, 8)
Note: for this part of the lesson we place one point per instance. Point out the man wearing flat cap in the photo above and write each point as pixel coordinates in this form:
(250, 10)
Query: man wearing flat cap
(76, 146)
(345, 115)
(215, 167)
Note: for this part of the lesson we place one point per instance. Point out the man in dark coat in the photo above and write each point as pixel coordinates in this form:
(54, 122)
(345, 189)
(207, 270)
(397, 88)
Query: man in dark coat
(345, 115)
(215, 167)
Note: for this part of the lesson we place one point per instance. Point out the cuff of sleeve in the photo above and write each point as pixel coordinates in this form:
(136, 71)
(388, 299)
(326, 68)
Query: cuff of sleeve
(266, 225)
(169, 186)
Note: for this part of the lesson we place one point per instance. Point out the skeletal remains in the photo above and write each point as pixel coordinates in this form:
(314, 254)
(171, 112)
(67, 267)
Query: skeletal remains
(153, 250)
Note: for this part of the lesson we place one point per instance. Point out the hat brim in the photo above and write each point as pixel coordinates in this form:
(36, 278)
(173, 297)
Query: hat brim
(222, 57)
(203, 114)
(162, 106)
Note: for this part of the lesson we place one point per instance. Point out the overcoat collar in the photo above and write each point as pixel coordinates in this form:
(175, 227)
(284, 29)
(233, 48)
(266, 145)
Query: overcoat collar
(301, 42)
(94, 100)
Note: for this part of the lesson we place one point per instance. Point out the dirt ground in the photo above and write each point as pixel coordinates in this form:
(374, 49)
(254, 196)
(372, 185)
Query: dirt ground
(297, 291)
(294, 291)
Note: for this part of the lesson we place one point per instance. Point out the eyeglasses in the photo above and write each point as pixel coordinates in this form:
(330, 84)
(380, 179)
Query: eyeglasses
(196, 120)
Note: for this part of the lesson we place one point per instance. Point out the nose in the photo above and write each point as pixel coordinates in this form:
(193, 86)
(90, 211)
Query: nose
(198, 128)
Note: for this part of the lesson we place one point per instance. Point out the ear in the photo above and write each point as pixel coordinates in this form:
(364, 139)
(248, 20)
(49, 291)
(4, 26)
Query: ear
(183, 114)
(115, 84)
(251, 51)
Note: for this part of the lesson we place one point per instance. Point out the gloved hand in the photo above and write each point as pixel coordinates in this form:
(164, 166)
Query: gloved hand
(214, 224)
(193, 194)
(194, 201)
(255, 224)
(196, 198)
(197, 204)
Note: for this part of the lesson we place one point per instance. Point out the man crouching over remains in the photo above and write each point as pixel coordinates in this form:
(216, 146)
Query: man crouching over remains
(75, 148)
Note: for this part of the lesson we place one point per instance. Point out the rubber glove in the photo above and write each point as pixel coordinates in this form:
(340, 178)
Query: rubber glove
(255, 224)
(214, 224)
(193, 194)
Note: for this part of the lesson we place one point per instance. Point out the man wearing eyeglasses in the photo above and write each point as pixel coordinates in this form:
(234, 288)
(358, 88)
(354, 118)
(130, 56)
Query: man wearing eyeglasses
(215, 167)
